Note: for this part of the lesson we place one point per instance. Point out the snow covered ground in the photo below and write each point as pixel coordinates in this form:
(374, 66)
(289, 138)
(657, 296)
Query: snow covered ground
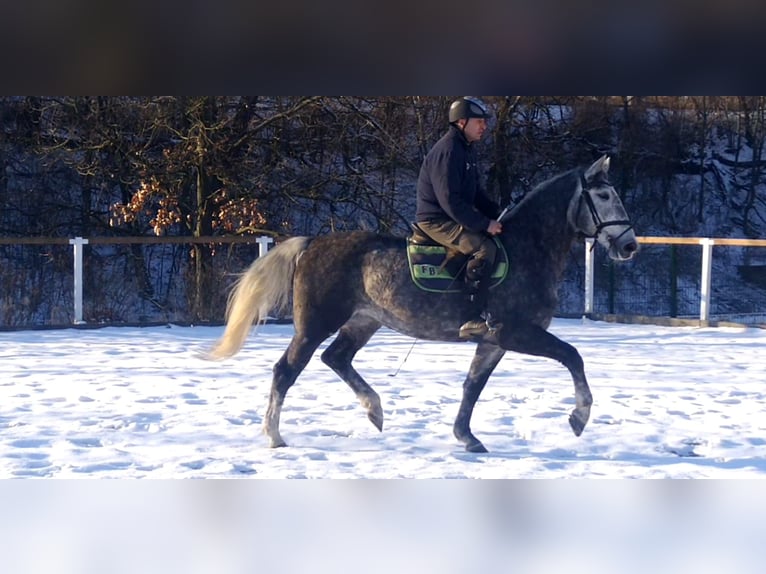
(139, 402)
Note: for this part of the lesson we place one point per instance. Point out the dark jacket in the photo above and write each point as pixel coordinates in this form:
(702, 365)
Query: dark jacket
(448, 185)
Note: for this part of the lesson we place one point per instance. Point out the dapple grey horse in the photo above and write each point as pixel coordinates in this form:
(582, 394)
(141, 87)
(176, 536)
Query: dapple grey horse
(354, 283)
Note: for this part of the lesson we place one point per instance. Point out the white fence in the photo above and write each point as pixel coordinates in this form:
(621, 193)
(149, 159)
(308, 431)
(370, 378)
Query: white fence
(707, 245)
(264, 243)
(78, 242)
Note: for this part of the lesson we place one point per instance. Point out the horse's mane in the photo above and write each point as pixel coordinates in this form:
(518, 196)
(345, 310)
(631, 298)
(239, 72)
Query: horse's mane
(555, 186)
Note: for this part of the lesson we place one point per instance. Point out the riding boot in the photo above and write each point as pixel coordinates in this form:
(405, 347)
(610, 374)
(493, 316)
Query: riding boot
(477, 286)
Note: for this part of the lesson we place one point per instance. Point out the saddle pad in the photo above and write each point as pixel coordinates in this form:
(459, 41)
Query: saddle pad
(431, 272)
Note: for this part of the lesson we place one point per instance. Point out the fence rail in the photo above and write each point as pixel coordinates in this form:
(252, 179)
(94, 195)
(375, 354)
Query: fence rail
(16, 290)
(178, 240)
(699, 288)
(700, 240)
(706, 268)
(78, 242)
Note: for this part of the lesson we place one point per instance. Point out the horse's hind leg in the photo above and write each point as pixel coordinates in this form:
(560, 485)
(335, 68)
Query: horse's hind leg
(286, 371)
(484, 362)
(338, 356)
(534, 340)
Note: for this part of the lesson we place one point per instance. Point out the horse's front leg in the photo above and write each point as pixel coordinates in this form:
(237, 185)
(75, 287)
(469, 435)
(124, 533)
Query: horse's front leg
(534, 340)
(484, 362)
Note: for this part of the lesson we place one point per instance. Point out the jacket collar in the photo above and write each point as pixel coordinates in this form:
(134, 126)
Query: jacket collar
(458, 133)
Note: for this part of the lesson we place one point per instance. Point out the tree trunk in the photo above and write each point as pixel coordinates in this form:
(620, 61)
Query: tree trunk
(702, 146)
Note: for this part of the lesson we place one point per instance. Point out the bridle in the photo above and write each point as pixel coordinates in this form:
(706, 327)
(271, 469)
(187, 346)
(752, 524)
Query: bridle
(600, 224)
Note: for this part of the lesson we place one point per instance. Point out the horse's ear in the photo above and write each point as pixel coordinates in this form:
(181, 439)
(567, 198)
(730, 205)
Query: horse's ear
(601, 165)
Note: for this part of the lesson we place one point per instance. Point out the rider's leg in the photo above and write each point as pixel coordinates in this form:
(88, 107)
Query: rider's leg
(482, 249)
(478, 273)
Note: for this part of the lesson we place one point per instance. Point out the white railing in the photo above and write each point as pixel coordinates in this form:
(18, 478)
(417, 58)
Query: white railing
(264, 242)
(78, 242)
(707, 264)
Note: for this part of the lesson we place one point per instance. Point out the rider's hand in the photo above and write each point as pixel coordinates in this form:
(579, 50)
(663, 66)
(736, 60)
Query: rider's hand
(494, 227)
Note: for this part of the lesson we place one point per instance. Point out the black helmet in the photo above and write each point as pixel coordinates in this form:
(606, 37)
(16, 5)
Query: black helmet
(467, 107)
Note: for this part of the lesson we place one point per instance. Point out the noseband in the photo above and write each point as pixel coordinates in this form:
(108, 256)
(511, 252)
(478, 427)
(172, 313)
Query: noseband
(600, 224)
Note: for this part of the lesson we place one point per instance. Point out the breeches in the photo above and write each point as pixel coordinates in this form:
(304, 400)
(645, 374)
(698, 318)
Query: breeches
(454, 236)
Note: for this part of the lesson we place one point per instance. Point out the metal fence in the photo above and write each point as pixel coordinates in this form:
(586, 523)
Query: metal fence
(104, 281)
(709, 280)
(100, 281)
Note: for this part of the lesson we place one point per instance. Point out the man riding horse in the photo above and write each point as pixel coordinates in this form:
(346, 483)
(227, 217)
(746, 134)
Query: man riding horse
(453, 209)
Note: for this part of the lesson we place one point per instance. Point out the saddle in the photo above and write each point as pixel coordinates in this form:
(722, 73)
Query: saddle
(435, 268)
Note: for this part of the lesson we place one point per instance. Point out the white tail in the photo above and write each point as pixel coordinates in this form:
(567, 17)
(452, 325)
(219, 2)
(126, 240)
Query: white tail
(266, 285)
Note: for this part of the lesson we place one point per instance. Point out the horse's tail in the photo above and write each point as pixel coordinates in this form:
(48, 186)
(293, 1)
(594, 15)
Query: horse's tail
(266, 285)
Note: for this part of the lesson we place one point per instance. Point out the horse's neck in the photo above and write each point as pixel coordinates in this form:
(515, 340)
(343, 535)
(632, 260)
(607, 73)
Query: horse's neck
(541, 223)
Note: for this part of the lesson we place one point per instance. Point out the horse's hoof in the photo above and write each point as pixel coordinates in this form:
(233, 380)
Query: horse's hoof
(277, 442)
(476, 447)
(578, 420)
(376, 418)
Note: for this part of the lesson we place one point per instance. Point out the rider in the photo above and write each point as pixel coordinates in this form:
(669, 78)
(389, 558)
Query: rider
(452, 208)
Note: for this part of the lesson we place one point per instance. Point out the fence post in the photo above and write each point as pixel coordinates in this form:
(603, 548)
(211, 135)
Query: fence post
(263, 245)
(78, 243)
(589, 244)
(707, 268)
(673, 281)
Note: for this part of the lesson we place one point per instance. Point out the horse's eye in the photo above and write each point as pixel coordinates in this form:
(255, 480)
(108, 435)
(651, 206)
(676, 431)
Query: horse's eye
(603, 196)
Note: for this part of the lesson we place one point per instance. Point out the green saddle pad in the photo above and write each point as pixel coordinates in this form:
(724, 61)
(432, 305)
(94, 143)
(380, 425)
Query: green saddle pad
(431, 271)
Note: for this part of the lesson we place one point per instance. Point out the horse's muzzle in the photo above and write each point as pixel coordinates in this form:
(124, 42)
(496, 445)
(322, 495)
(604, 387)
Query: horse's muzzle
(623, 246)
(628, 249)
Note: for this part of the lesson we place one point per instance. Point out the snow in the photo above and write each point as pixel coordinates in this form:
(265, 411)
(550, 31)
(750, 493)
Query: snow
(139, 403)
(677, 402)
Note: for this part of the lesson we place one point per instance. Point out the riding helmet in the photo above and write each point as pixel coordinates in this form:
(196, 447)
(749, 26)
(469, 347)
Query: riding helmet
(468, 107)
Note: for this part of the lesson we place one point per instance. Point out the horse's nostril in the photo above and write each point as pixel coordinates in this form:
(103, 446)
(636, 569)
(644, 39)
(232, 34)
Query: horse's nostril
(629, 250)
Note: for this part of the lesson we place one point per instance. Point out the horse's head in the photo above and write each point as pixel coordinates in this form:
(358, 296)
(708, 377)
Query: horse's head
(597, 211)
